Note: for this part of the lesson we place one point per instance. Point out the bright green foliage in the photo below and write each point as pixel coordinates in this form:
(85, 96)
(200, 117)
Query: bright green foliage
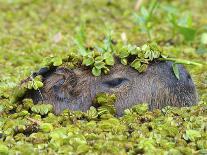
(140, 109)
(105, 102)
(27, 29)
(46, 127)
(142, 55)
(145, 19)
(34, 83)
(91, 113)
(170, 130)
(80, 39)
(99, 62)
(100, 59)
(191, 135)
(176, 70)
(42, 109)
(183, 26)
(4, 150)
(31, 83)
(96, 71)
(53, 61)
(109, 59)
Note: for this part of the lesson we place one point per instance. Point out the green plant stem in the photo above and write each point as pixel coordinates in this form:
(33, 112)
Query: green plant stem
(149, 35)
(181, 61)
(153, 7)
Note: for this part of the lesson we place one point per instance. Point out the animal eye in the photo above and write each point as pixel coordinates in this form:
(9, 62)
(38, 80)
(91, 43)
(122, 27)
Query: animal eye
(56, 87)
(115, 82)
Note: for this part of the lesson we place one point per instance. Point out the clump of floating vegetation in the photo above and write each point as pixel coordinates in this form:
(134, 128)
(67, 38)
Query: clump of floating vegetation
(27, 128)
(31, 30)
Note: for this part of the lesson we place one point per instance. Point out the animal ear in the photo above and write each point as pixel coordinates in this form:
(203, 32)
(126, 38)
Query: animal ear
(52, 80)
(61, 77)
(71, 78)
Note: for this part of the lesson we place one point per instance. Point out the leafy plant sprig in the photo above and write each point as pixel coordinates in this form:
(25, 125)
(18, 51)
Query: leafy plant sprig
(99, 62)
(142, 55)
(105, 103)
(27, 84)
(80, 39)
(53, 61)
(145, 20)
(183, 26)
(42, 109)
(35, 83)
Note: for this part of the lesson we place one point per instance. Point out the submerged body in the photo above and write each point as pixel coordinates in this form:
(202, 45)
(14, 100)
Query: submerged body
(157, 86)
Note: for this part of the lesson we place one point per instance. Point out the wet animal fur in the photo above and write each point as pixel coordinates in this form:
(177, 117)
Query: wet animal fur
(158, 86)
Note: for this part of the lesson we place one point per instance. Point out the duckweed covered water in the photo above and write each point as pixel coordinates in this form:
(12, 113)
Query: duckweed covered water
(33, 30)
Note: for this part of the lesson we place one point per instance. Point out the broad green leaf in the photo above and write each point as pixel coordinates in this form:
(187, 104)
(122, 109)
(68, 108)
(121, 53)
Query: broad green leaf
(124, 53)
(91, 113)
(135, 50)
(149, 54)
(143, 68)
(107, 109)
(82, 149)
(99, 65)
(107, 55)
(57, 61)
(99, 59)
(110, 61)
(104, 99)
(188, 33)
(176, 70)
(42, 109)
(96, 71)
(106, 70)
(141, 108)
(47, 61)
(136, 64)
(132, 49)
(145, 47)
(46, 127)
(37, 84)
(192, 135)
(124, 61)
(88, 61)
(156, 54)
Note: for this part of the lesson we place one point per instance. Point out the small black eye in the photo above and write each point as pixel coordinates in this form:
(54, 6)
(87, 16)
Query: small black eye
(57, 86)
(115, 82)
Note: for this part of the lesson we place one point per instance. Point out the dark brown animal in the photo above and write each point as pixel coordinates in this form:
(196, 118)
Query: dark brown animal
(158, 86)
